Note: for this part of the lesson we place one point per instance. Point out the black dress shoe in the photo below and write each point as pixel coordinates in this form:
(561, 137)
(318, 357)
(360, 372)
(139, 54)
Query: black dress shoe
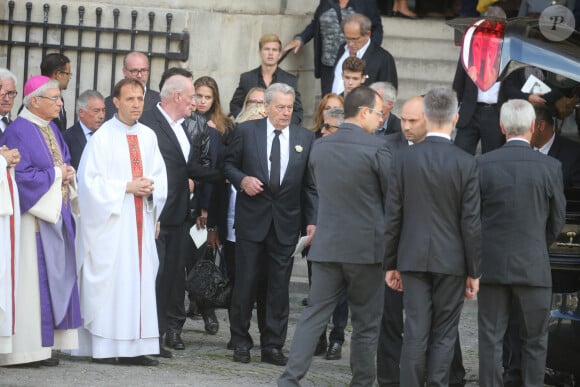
(274, 356)
(105, 360)
(321, 346)
(334, 351)
(210, 321)
(242, 356)
(173, 340)
(165, 353)
(51, 362)
(139, 361)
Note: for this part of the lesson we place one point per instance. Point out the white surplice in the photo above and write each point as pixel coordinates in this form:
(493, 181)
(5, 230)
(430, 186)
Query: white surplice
(9, 206)
(117, 298)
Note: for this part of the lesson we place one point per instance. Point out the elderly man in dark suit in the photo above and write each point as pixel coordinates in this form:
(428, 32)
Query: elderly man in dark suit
(390, 123)
(523, 210)
(380, 65)
(135, 66)
(267, 162)
(547, 141)
(433, 242)
(326, 24)
(268, 73)
(166, 121)
(91, 113)
(350, 170)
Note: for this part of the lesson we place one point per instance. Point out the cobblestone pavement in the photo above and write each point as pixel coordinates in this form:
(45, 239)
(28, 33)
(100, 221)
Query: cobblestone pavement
(207, 362)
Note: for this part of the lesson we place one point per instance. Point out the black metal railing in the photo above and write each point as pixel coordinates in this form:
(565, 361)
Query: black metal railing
(105, 44)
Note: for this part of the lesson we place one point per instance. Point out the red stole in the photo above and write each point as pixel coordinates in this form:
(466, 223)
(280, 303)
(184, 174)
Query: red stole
(12, 247)
(137, 171)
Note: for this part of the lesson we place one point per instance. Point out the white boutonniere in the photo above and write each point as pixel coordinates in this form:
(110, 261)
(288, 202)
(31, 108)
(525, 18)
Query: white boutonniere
(298, 148)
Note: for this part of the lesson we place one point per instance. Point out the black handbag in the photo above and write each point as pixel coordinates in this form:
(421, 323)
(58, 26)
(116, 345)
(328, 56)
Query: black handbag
(208, 284)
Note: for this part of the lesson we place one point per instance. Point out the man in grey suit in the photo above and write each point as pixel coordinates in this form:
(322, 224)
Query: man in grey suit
(350, 170)
(523, 210)
(267, 163)
(433, 242)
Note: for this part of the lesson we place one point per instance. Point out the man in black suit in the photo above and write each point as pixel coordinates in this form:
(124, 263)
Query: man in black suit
(344, 260)
(267, 162)
(390, 123)
(166, 121)
(567, 151)
(478, 109)
(414, 130)
(91, 113)
(57, 67)
(380, 65)
(135, 66)
(7, 94)
(268, 73)
(523, 210)
(434, 257)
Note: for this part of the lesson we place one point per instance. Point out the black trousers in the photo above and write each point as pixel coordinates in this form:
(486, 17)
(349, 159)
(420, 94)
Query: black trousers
(254, 261)
(326, 78)
(484, 125)
(171, 276)
(391, 342)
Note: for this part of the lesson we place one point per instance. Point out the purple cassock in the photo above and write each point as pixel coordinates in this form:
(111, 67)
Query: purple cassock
(59, 299)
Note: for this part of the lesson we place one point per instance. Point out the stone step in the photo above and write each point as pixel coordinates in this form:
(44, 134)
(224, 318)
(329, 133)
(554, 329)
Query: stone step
(426, 69)
(419, 29)
(411, 47)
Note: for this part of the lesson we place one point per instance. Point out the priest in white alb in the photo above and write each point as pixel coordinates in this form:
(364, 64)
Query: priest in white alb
(122, 190)
(9, 239)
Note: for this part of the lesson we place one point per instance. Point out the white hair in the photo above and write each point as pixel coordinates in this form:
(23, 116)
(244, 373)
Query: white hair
(516, 116)
(278, 88)
(52, 84)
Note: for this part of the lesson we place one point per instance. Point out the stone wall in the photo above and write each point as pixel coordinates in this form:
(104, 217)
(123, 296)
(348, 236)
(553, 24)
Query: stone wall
(224, 39)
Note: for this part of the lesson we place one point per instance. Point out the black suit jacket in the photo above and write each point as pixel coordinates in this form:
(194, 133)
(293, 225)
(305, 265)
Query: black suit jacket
(380, 65)
(397, 141)
(151, 100)
(393, 124)
(366, 7)
(568, 153)
(253, 78)
(522, 212)
(247, 156)
(75, 140)
(178, 169)
(433, 222)
(467, 96)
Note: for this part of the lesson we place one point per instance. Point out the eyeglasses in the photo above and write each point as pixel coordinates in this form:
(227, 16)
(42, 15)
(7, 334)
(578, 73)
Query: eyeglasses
(254, 102)
(9, 94)
(326, 126)
(135, 72)
(67, 74)
(53, 99)
(377, 112)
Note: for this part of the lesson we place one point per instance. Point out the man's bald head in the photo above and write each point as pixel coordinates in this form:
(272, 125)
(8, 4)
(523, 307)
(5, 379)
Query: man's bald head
(413, 120)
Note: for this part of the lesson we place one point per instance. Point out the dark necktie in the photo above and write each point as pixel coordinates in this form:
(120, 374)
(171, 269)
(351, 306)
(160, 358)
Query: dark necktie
(275, 163)
(6, 121)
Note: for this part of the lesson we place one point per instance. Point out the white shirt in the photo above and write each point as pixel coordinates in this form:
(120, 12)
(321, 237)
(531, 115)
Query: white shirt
(337, 83)
(284, 148)
(179, 132)
(488, 96)
(232, 214)
(518, 139)
(437, 134)
(2, 124)
(546, 147)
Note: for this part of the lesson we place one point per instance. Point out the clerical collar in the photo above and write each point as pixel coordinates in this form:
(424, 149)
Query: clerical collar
(29, 116)
(437, 134)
